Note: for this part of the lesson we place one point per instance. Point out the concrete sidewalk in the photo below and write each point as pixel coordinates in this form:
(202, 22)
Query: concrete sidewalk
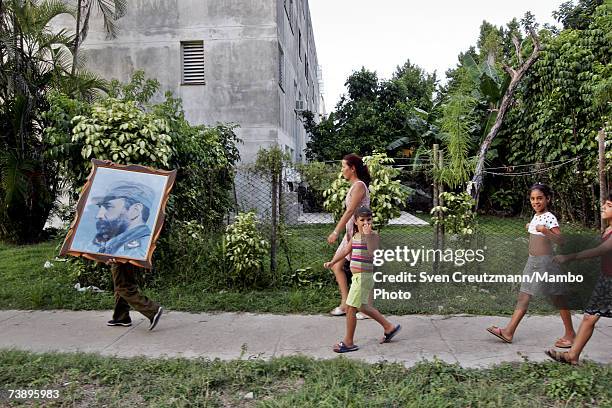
(461, 339)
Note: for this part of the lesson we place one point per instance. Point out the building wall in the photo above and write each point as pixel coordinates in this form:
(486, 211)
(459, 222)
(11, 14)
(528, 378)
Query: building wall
(300, 79)
(233, 32)
(241, 40)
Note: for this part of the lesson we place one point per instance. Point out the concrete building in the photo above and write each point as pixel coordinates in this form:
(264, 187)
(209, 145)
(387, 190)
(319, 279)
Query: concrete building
(251, 62)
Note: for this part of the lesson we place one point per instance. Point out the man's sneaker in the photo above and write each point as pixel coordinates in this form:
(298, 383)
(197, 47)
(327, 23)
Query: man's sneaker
(124, 322)
(155, 318)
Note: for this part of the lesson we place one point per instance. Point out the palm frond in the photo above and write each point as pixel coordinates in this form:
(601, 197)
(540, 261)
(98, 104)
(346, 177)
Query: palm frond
(85, 85)
(37, 18)
(15, 179)
(111, 11)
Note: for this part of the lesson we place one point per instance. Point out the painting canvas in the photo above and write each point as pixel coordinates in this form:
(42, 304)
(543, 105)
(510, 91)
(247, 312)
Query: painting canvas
(120, 213)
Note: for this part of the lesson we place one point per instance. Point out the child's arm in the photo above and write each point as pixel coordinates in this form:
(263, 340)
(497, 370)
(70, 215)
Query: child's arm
(359, 191)
(553, 234)
(341, 255)
(600, 250)
(371, 237)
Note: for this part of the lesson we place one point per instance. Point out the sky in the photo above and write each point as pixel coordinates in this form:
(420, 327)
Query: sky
(382, 34)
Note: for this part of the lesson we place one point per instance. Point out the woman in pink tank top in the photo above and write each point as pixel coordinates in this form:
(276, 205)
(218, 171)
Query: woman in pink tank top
(600, 304)
(358, 195)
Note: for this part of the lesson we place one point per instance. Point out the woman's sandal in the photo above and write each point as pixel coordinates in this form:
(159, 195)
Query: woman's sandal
(337, 311)
(564, 343)
(497, 332)
(343, 348)
(560, 357)
(361, 316)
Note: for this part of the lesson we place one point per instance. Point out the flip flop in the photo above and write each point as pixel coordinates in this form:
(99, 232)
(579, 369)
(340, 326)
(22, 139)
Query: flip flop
(343, 348)
(563, 343)
(337, 312)
(559, 356)
(497, 332)
(388, 336)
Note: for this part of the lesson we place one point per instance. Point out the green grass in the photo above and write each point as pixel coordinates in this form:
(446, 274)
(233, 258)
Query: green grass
(27, 285)
(92, 380)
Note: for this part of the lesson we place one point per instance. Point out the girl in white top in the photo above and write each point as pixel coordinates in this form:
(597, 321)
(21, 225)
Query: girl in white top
(358, 195)
(543, 232)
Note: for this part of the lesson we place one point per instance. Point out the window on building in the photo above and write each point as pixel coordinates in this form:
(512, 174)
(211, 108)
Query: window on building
(306, 69)
(192, 60)
(281, 68)
(300, 44)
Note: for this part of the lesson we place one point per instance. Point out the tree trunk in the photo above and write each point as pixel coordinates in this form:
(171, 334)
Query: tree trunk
(475, 185)
(75, 49)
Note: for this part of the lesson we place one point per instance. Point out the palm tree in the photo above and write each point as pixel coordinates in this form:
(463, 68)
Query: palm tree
(111, 10)
(34, 60)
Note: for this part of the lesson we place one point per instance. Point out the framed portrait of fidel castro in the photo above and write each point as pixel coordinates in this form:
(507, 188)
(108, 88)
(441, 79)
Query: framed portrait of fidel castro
(120, 213)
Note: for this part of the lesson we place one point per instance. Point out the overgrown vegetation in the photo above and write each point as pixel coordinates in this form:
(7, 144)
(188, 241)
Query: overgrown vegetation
(245, 249)
(85, 379)
(126, 127)
(553, 110)
(34, 61)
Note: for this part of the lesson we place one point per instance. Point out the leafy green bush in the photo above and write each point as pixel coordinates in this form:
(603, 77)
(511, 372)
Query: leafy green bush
(245, 249)
(190, 252)
(504, 200)
(335, 196)
(387, 196)
(456, 215)
(119, 131)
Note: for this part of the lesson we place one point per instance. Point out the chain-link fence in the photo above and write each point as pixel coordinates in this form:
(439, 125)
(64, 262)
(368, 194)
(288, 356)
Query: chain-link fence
(481, 267)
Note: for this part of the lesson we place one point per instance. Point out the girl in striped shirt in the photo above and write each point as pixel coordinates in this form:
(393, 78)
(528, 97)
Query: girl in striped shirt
(361, 249)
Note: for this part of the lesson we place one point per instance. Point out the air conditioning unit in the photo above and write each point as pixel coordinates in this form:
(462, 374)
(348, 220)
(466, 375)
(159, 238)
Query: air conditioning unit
(300, 105)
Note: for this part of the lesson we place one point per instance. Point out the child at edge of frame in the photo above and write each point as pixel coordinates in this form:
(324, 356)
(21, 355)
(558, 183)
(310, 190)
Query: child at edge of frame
(600, 304)
(361, 248)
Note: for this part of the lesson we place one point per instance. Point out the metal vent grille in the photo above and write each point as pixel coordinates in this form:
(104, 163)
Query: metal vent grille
(193, 62)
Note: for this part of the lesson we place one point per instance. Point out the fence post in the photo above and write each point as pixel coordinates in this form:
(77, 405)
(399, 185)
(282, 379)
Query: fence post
(440, 201)
(282, 214)
(435, 201)
(603, 183)
(274, 192)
